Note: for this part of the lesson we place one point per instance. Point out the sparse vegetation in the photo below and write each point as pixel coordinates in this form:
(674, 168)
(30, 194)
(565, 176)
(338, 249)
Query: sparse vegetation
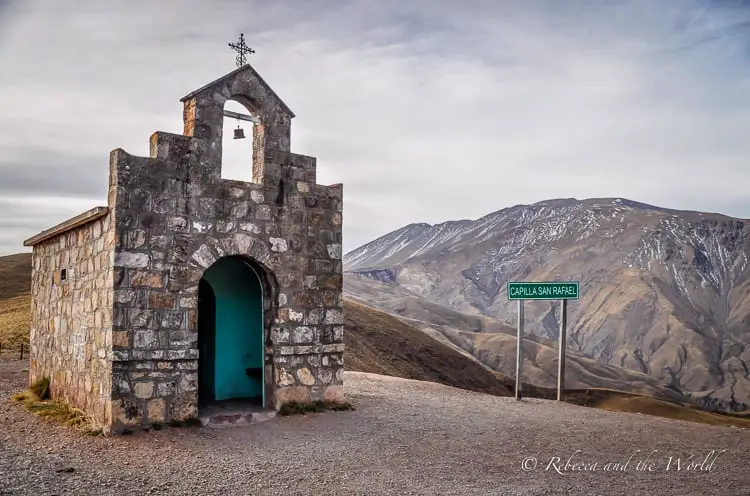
(379, 343)
(188, 422)
(36, 400)
(40, 388)
(652, 406)
(15, 300)
(15, 320)
(303, 407)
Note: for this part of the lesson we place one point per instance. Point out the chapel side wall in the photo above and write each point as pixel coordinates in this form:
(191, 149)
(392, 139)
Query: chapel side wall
(71, 321)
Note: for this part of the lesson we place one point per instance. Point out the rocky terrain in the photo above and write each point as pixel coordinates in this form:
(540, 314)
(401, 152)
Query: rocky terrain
(405, 437)
(664, 293)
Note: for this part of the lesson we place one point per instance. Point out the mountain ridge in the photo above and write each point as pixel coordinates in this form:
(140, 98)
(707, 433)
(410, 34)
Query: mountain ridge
(664, 291)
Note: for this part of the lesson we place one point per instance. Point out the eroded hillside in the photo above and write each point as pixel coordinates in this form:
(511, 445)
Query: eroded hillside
(664, 292)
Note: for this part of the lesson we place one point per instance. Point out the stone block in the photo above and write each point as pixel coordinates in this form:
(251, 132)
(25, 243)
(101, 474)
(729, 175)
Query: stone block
(334, 394)
(303, 335)
(334, 317)
(284, 377)
(156, 410)
(132, 260)
(305, 377)
(188, 383)
(290, 394)
(126, 412)
(325, 376)
(144, 390)
(183, 406)
(120, 339)
(166, 389)
(145, 340)
(148, 279)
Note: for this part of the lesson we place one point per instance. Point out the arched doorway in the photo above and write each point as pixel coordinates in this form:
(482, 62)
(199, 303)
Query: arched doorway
(231, 335)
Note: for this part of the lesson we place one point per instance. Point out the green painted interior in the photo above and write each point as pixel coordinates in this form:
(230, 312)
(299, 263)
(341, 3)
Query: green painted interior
(231, 320)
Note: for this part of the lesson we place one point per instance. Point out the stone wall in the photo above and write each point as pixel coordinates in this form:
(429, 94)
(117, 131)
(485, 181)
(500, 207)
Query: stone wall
(71, 321)
(176, 216)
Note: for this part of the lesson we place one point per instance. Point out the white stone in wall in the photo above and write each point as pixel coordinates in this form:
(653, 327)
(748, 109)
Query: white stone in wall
(334, 317)
(249, 227)
(242, 242)
(131, 260)
(204, 257)
(334, 251)
(278, 244)
(201, 227)
(256, 196)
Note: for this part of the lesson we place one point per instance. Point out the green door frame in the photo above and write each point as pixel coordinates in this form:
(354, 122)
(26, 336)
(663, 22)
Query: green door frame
(263, 330)
(207, 371)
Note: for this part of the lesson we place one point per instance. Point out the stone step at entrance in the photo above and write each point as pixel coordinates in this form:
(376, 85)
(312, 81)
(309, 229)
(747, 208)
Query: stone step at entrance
(223, 414)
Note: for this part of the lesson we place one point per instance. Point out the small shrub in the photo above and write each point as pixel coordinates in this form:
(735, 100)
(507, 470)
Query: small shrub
(192, 422)
(188, 422)
(40, 388)
(36, 400)
(303, 407)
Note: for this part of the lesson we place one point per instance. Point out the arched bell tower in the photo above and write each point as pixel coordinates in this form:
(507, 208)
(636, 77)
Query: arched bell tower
(203, 118)
(175, 217)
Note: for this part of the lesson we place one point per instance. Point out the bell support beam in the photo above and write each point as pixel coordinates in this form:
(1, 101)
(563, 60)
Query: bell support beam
(241, 117)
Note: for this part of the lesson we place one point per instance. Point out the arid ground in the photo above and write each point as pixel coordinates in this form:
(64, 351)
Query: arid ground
(405, 437)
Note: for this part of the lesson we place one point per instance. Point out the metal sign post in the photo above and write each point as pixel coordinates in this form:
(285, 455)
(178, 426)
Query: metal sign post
(518, 349)
(562, 291)
(561, 350)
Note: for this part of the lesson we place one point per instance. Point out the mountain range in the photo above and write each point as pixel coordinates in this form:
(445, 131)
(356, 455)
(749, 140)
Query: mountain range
(665, 294)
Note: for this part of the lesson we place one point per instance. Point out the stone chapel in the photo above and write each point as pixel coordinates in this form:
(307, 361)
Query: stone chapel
(187, 289)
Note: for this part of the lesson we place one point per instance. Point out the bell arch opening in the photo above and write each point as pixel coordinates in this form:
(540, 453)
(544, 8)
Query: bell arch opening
(241, 141)
(235, 307)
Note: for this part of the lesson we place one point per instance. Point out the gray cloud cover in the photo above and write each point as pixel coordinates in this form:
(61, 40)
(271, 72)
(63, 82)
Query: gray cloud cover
(426, 111)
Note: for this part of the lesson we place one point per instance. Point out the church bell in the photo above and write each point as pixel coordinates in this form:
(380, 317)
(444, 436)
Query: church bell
(239, 133)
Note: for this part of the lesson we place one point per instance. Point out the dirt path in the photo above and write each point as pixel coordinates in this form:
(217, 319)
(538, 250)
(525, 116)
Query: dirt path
(406, 437)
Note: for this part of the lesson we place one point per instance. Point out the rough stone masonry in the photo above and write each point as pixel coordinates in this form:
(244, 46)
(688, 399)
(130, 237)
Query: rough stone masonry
(115, 289)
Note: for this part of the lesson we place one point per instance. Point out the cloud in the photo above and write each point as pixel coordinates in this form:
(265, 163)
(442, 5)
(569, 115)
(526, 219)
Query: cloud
(426, 111)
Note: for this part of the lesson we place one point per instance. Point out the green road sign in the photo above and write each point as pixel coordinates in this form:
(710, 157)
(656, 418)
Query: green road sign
(542, 290)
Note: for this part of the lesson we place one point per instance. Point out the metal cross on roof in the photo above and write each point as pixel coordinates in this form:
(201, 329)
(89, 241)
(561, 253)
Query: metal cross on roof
(241, 48)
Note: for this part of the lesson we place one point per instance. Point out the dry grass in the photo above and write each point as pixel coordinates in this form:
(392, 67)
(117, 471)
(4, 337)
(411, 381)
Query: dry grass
(15, 319)
(658, 408)
(15, 274)
(36, 400)
(382, 344)
(303, 407)
(15, 300)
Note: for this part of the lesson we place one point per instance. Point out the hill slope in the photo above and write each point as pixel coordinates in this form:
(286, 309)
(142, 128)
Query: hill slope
(15, 275)
(15, 301)
(381, 344)
(664, 292)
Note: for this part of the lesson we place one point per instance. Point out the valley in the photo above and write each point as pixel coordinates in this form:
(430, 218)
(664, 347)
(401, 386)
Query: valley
(665, 294)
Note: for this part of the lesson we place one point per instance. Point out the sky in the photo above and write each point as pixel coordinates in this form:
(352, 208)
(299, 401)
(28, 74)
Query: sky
(426, 111)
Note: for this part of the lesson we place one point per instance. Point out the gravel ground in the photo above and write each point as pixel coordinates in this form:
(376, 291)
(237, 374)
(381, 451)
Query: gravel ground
(405, 437)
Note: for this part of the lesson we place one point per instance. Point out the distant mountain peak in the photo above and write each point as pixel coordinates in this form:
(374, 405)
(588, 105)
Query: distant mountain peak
(659, 286)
